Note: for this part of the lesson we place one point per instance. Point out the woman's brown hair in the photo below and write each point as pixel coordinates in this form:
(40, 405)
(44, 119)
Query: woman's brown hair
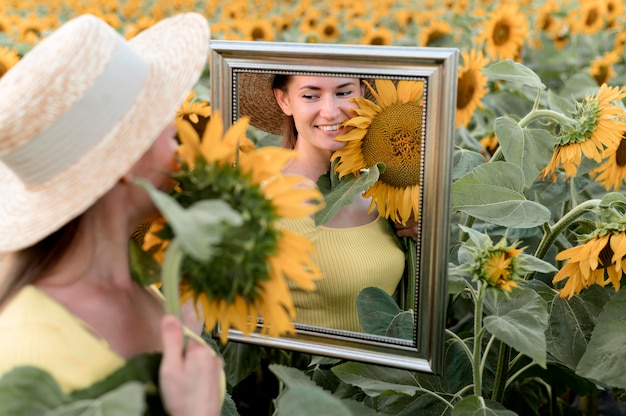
(29, 263)
(289, 132)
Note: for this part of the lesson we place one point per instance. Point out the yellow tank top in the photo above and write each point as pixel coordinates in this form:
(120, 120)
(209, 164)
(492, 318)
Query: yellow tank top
(38, 331)
(350, 259)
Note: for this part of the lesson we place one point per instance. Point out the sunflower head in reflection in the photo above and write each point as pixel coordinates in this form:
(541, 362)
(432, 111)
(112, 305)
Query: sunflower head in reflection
(387, 131)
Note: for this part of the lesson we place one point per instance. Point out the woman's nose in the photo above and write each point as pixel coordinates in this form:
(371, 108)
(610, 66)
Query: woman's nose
(329, 109)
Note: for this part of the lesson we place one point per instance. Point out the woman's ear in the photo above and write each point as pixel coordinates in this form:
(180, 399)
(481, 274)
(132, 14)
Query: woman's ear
(283, 101)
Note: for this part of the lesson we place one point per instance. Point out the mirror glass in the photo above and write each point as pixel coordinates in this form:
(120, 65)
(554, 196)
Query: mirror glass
(403, 307)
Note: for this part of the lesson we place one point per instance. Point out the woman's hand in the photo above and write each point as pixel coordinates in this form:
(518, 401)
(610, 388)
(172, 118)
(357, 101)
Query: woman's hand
(407, 230)
(190, 378)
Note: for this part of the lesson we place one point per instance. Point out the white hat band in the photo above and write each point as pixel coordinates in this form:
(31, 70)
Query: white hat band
(57, 147)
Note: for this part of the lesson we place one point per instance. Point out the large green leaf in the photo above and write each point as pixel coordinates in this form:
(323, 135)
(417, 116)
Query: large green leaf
(307, 401)
(200, 227)
(477, 406)
(375, 380)
(530, 149)
(493, 192)
(605, 357)
(464, 161)
(569, 329)
(128, 400)
(379, 314)
(520, 321)
(241, 360)
(32, 391)
(518, 74)
(340, 193)
(304, 397)
(29, 391)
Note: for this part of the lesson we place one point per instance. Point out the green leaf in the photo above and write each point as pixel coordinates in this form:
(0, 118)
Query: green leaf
(520, 321)
(143, 368)
(229, 408)
(504, 175)
(345, 191)
(569, 329)
(29, 391)
(291, 376)
(307, 401)
(529, 149)
(509, 70)
(464, 161)
(493, 192)
(532, 263)
(241, 361)
(379, 314)
(128, 399)
(304, 397)
(375, 380)
(605, 357)
(199, 227)
(477, 406)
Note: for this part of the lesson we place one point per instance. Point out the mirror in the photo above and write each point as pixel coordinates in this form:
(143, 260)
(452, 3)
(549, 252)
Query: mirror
(234, 63)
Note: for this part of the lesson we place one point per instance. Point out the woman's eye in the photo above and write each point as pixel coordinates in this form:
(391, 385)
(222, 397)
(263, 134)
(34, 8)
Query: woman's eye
(309, 96)
(344, 93)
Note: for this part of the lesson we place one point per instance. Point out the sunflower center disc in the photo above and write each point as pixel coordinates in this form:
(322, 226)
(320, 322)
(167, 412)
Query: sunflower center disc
(395, 139)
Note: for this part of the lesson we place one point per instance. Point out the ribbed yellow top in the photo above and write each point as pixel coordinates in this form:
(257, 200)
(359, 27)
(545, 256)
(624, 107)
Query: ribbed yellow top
(350, 260)
(38, 331)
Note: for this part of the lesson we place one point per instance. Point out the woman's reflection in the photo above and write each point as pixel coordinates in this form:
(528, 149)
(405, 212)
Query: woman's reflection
(357, 248)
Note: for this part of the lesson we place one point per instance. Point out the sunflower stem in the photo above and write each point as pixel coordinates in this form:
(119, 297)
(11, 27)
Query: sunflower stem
(174, 255)
(478, 333)
(537, 114)
(552, 233)
(501, 372)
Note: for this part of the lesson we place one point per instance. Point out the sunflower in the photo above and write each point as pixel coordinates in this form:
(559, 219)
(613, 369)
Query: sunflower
(614, 11)
(472, 86)
(430, 34)
(612, 173)
(194, 108)
(258, 29)
(598, 125)
(490, 143)
(546, 21)
(505, 32)
(602, 67)
(499, 265)
(328, 29)
(377, 36)
(589, 17)
(388, 131)
(600, 255)
(247, 278)
(498, 268)
(8, 58)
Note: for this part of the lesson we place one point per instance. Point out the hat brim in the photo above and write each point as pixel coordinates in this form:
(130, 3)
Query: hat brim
(256, 100)
(176, 50)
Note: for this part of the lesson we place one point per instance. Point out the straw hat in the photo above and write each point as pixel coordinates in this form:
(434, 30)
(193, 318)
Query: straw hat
(256, 100)
(80, 109)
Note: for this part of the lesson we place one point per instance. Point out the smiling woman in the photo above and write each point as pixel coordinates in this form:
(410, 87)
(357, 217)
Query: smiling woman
(355, 249)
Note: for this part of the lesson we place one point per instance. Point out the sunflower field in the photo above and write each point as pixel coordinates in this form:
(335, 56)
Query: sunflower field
(536, 323)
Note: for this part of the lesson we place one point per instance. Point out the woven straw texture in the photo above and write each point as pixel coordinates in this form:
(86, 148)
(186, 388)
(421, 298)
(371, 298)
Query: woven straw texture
(52, 77)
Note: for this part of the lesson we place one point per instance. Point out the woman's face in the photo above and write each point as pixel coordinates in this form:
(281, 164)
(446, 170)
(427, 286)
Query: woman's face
(319, 105)
(159, 160)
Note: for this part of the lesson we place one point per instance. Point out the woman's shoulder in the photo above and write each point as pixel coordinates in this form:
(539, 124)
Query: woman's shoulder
(27, 303)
